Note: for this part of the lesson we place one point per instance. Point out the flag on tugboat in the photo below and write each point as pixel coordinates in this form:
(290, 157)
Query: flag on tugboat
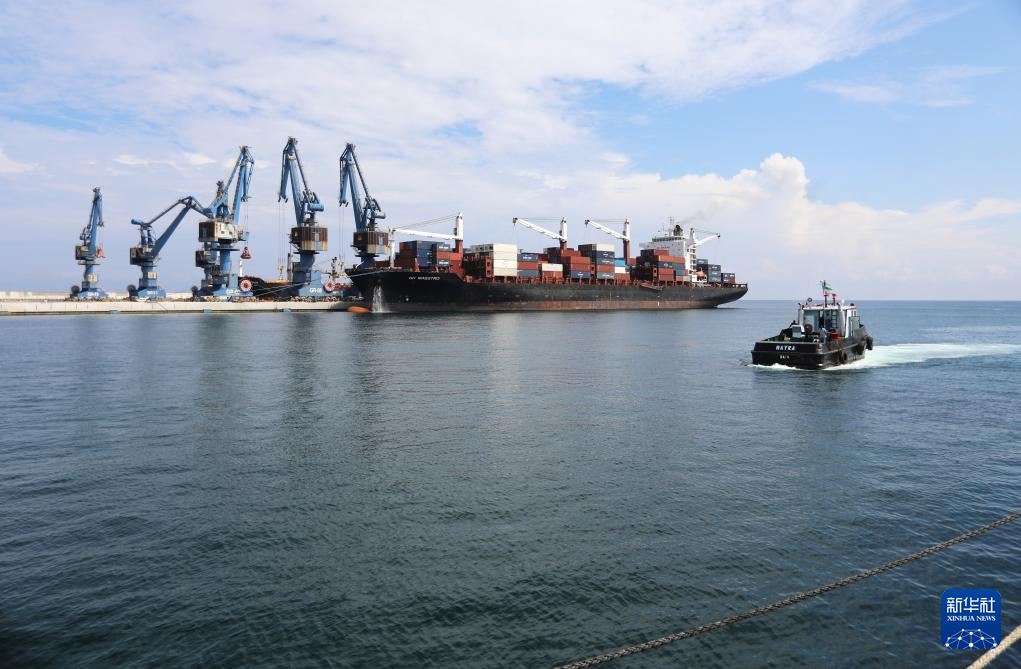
(825, 287)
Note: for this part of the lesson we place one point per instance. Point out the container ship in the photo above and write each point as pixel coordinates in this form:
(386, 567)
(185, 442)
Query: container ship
(434, 276)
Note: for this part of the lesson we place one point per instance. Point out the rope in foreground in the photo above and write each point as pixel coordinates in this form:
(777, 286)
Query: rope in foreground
(993, 653)
(793, 599)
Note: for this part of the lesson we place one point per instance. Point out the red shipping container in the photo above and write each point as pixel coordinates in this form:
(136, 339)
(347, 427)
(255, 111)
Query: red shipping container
(528, 265)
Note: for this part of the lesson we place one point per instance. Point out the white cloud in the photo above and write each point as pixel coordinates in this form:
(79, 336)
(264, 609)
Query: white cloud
(934, 87)
(482, 108)
(181, 161)
(777, 236)
(9, 165)
(860, 92)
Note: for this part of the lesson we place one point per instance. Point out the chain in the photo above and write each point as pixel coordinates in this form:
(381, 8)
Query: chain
(783, 603)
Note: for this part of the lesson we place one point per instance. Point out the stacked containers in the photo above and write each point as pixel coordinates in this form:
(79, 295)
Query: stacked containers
(712, 273)
(620, 270)
(728, 279)
(658, 265)
(576, 266)
(528, 265)
(551, 270)
(601, 258)
(502, 258)
(417, 254)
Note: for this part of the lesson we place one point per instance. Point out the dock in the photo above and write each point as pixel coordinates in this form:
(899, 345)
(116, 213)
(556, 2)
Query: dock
(29, 303)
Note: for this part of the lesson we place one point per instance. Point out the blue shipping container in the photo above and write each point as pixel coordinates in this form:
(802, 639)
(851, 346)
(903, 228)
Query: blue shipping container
(528, 257)
(620, 262)
(528, 273)
(605, 275)
(581, 275)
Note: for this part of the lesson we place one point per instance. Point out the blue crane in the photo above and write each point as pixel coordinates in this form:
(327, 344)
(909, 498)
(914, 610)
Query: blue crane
(88, 253)
(147, 253)
(368, 241)
(307, 237)
(221, 232)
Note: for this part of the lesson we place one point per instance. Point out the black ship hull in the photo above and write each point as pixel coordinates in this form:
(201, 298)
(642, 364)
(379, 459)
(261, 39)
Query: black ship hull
(812, 355)
(399, 290)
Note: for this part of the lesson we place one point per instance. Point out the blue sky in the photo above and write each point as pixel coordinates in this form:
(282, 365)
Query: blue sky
(874, 144)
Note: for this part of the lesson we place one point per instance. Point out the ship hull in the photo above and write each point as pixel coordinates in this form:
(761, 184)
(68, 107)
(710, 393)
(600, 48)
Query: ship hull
(398, 290)
(812, 355)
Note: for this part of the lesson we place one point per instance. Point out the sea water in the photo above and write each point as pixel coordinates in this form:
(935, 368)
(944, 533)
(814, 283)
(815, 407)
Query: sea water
(507, 490)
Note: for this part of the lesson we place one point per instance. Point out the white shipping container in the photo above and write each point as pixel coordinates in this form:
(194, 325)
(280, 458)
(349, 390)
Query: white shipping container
(505, 264)
(603, 246)
(551, 267)
(502, 271)
(620, 270)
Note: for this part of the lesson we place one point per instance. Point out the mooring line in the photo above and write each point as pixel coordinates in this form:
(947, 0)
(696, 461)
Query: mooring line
(788, 601)
(993, 653)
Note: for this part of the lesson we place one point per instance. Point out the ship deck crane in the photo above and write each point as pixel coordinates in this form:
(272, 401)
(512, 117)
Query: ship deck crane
(147, 253)
(368, 241)
(562, 237)
(88, 253)
(696, 238)
(307, 236)
(457, 237)
(624, 237)
(221, 232)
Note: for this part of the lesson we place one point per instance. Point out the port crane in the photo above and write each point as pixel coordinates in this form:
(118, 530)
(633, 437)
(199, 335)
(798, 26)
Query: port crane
(88, 253)
(221, 232)
(146, 254)
(457, 237)
(624, 237)
(368, 241)
(307, 236)
(562, 237)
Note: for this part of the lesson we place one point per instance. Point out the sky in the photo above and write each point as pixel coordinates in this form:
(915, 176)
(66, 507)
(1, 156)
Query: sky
(871, 144)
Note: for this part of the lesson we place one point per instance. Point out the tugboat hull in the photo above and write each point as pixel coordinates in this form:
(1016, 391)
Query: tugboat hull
(812, 355)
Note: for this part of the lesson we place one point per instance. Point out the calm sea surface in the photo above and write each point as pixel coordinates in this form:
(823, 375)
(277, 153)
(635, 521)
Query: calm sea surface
(335, 490)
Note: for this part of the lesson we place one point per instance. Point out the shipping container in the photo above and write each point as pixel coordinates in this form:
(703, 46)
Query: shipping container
(495, 248)
(587, 248)
(551, 267)
(528, 273)
(581, 275)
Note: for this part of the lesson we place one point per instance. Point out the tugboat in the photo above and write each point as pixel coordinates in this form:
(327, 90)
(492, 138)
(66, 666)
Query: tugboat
(823, 335)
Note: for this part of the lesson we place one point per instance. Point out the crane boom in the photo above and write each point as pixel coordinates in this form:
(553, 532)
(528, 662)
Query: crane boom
(702, 240)
(146, 254)
(306, 202)
(624, 237)
(561, 237)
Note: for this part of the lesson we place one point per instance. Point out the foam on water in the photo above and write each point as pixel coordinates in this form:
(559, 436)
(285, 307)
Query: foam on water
(902, 354)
